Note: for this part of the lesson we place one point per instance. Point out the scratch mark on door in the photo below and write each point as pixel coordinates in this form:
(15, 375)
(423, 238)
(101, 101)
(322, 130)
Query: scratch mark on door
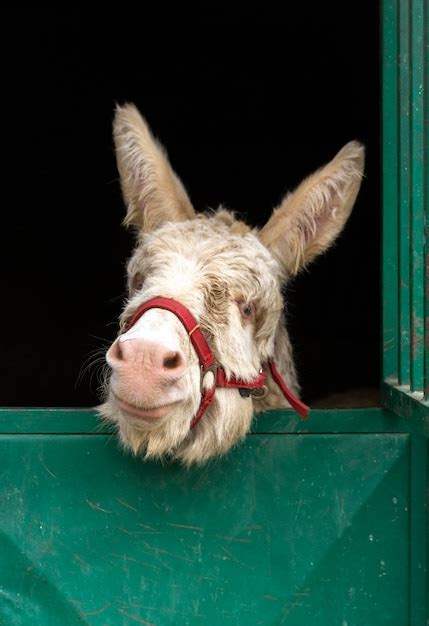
(136, 618)
(96, 507)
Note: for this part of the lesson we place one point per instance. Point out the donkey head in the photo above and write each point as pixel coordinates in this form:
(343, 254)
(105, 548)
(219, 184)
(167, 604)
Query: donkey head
(229, 277)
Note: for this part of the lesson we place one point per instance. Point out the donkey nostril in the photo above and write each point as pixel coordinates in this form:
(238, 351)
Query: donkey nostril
(172, 360)
(115, 352)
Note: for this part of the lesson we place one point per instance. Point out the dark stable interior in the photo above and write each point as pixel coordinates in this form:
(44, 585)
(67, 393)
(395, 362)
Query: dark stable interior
(248, 100)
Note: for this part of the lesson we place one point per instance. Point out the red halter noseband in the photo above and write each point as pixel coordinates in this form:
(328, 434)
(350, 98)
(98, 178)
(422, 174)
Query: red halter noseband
(256, 387)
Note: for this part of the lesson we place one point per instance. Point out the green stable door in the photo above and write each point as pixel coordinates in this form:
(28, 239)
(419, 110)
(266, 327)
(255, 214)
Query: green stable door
(317, 523)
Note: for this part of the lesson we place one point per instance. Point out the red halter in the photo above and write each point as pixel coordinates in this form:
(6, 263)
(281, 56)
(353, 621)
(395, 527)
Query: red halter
(256, 387)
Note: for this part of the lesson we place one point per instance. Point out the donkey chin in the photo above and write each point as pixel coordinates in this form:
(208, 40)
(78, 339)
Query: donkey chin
(165, 432)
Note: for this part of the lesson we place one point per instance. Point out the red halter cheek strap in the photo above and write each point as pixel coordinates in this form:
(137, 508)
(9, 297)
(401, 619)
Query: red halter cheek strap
(255, 387)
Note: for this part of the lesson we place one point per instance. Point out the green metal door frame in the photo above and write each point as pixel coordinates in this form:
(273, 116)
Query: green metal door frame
(405, 385)
(405, 271)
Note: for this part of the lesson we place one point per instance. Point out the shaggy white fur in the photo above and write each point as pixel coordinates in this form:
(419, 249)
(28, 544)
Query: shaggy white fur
(212, 263)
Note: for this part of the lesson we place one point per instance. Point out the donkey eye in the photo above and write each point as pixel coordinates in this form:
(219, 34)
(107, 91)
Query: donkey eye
(247, 310)
(137, 281)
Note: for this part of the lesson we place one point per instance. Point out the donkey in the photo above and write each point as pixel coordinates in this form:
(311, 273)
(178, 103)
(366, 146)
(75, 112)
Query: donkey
(202, 343)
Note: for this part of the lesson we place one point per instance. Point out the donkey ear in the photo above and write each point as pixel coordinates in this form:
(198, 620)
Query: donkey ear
(152, 191)
(308, 220)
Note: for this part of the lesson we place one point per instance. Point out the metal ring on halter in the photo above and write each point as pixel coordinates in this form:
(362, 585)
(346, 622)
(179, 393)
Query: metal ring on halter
(204, 371)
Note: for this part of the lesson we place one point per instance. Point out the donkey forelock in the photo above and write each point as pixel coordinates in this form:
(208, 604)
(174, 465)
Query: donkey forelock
(229, 276)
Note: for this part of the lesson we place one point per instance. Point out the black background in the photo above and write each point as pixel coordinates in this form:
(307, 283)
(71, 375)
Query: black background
(248, 99)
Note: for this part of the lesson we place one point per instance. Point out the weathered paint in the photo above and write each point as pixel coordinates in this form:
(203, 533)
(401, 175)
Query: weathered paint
(300, 528)
(404, 402)
(405, 245)
(390, 190)
(417, 193)
(426, 355)
(404, 192)
(426, 191)
(405, 199)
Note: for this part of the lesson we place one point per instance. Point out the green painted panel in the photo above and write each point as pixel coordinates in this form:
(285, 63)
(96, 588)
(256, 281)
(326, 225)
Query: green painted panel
(417, 172)
(82, 421)
(303, 530)
(426, 114)
(41, 420)
(410, 406)
(405, 202)
(419, 520)
(404, 192)
(390, 347)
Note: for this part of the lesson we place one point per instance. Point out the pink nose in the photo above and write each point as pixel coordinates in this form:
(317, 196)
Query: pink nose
(154, 359)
